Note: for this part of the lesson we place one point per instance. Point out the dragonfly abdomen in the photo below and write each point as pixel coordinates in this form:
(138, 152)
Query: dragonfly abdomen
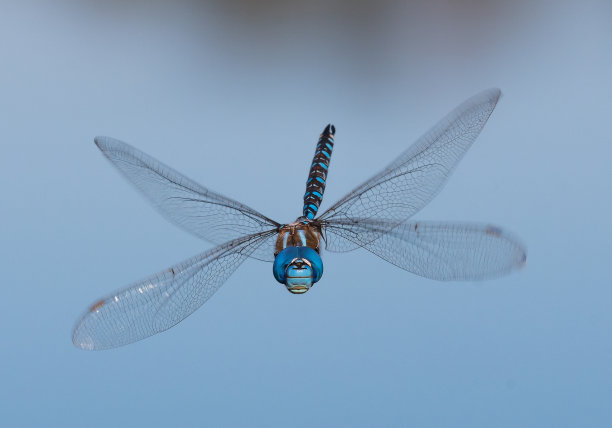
(315, 185)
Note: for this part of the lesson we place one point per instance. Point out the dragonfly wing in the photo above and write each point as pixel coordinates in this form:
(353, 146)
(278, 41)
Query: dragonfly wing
(163, 300)
(413, 179)
(194, 208)
(265, 250)
(442, 251)
(343, 235)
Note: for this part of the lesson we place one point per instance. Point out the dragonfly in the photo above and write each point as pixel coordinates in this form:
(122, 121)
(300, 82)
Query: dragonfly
(375, 216)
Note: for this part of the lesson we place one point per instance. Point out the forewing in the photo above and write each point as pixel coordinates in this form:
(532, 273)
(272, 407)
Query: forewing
(182, 201)
(417, 175)
(161, 301)
(442, 251)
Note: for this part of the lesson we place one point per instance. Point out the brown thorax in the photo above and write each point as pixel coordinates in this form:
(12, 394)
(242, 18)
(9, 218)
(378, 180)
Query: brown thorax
(300, 233)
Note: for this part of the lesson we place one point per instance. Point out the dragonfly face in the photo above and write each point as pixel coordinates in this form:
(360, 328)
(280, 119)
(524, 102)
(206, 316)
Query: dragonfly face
(298, 276)
(298, 268)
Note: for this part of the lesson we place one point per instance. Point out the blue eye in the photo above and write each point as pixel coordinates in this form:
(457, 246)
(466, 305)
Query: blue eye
(298, 268)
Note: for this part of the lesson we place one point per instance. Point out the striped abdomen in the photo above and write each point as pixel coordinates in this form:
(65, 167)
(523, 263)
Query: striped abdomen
(315, 185)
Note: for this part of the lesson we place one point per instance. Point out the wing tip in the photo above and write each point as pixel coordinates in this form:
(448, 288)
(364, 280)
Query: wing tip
(523, 261)
(491, 96)
(101, 141)
(106, 143)
(84, 343)
(82, 338)
(520, 248)
(496, 94)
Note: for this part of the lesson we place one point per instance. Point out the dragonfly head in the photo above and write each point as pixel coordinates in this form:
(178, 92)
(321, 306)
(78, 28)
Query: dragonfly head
(298, 268)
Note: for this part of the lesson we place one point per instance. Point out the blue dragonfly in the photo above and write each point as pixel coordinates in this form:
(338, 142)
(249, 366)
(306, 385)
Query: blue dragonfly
(375, 216)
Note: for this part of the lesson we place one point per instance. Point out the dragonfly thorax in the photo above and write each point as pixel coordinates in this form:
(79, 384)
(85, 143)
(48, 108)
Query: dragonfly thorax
(301, 233)
(297, 262)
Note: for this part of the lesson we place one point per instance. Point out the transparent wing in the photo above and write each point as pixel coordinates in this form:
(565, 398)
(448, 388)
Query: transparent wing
(163, 300)
(417, 175)
(194, 208)
(442, 251)
(265, 250)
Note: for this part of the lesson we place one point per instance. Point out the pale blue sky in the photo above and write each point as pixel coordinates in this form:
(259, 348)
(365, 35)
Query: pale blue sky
(235, 97)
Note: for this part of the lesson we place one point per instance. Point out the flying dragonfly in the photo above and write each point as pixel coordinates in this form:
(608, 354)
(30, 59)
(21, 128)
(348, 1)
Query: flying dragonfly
(375, 216)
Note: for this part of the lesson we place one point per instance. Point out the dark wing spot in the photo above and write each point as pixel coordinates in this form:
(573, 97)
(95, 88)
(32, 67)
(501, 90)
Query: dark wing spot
(494, 231)
(97, 305)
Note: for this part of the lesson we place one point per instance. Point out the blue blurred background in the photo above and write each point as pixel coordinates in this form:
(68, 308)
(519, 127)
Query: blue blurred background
(234, 94)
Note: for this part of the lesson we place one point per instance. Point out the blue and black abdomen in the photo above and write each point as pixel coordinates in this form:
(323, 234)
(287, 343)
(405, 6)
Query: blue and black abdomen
(315, 185)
